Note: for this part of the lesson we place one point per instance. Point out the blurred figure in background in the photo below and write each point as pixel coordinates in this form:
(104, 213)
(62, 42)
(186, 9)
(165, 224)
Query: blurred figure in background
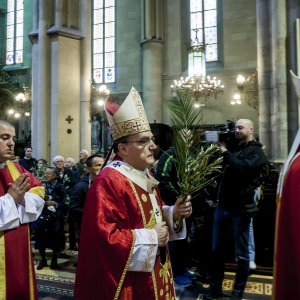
(50, 225)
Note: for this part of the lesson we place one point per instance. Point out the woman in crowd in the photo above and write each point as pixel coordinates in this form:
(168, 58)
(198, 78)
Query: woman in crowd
(50, 225)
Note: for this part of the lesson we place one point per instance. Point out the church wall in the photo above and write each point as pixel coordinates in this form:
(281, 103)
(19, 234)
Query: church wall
(128, 48)
(238, 55)
(65, 93)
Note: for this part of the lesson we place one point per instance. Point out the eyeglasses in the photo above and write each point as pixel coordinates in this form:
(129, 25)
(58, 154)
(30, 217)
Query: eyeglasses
(143, 141)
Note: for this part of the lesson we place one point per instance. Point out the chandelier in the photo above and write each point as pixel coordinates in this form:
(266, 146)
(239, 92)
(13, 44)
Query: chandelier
(198, 85)
(22, 104)
(199, 88)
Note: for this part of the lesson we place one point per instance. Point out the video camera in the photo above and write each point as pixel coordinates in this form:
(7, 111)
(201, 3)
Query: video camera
(225, 135)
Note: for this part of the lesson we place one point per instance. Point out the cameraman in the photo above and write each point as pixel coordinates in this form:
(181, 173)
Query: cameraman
(241, 169)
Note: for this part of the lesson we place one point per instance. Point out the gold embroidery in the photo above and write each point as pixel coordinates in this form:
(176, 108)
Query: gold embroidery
(151, 222)
(164, 271)
(154, 285)
(138, 201)
(126, 267)
(144, 198)
(2, 267)
(161, 292)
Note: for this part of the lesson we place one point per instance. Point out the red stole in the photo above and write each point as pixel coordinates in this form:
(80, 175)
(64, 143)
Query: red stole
(287, 243)
(17, 276)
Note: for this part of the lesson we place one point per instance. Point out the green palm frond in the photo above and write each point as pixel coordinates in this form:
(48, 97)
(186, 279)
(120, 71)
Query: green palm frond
(196, 166)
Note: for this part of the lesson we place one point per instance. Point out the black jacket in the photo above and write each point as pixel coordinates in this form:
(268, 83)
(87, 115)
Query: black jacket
(28, 164)
(77, 198)
(241, 170)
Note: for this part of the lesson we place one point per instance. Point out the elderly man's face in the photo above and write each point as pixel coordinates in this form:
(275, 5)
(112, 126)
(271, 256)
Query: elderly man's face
(139, 152)
(59, 164)
(7, 142)
(83, 156)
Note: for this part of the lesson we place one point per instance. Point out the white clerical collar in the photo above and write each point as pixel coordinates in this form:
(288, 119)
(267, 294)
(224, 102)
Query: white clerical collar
(2, 165)
(142, 178)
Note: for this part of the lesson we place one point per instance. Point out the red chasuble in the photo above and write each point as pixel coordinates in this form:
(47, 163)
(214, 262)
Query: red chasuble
(286, 283)
(17, 276)
(114, 207)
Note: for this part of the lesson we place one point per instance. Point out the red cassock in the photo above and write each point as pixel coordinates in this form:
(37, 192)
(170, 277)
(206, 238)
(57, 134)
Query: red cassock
(17, 276)
(115, 205)
(286, 283)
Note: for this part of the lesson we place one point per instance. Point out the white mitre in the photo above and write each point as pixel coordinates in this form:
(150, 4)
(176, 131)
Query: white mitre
(128, 118)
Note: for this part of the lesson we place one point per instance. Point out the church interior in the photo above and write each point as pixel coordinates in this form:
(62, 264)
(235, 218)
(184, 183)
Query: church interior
(60, 60)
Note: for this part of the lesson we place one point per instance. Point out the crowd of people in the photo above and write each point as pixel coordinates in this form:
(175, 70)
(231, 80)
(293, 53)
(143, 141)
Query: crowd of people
(135, 226)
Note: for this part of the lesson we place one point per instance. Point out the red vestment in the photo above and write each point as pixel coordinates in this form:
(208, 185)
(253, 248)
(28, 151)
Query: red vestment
(115, 206)
(286, 283)
(17, 276)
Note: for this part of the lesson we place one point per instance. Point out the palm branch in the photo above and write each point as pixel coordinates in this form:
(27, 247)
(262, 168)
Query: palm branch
(196, 165)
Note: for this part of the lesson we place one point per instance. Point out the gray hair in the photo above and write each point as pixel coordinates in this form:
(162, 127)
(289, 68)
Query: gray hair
(58, 157)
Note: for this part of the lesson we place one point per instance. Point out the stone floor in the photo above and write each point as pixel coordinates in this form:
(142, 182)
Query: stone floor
(59, 284)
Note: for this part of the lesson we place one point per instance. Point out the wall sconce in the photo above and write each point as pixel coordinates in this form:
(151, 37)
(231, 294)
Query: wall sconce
(247, 91)
(236, 99)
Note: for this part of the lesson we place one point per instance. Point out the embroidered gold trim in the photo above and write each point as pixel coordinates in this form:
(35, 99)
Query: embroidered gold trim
(126, 267)
(138, 201)
(152, 221)
(144, 198)
(2, 268)
(144, 223)
(154, 285)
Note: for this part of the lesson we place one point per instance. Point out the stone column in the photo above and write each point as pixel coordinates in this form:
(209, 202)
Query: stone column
(264, 70)
(279, 80)
(152, 60)
(272, 81)
(40, 86)
(60, 13)
(85, 76)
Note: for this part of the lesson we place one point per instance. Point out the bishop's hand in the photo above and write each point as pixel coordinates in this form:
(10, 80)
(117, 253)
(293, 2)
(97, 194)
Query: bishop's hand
(162, 232)
(182, 208)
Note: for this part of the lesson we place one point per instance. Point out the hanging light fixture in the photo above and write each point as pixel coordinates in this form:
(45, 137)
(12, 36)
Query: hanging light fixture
(22, 104)
(198, 85)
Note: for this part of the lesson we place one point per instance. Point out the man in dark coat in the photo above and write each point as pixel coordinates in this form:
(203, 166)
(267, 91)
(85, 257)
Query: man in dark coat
(79, 191)
(241, 169)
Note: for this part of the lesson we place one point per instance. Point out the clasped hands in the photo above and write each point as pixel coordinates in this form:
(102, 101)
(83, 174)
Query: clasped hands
(18, 189)
(182, 209)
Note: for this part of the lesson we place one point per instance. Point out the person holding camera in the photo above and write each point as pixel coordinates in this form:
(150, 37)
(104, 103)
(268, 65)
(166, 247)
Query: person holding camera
(236, 206)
